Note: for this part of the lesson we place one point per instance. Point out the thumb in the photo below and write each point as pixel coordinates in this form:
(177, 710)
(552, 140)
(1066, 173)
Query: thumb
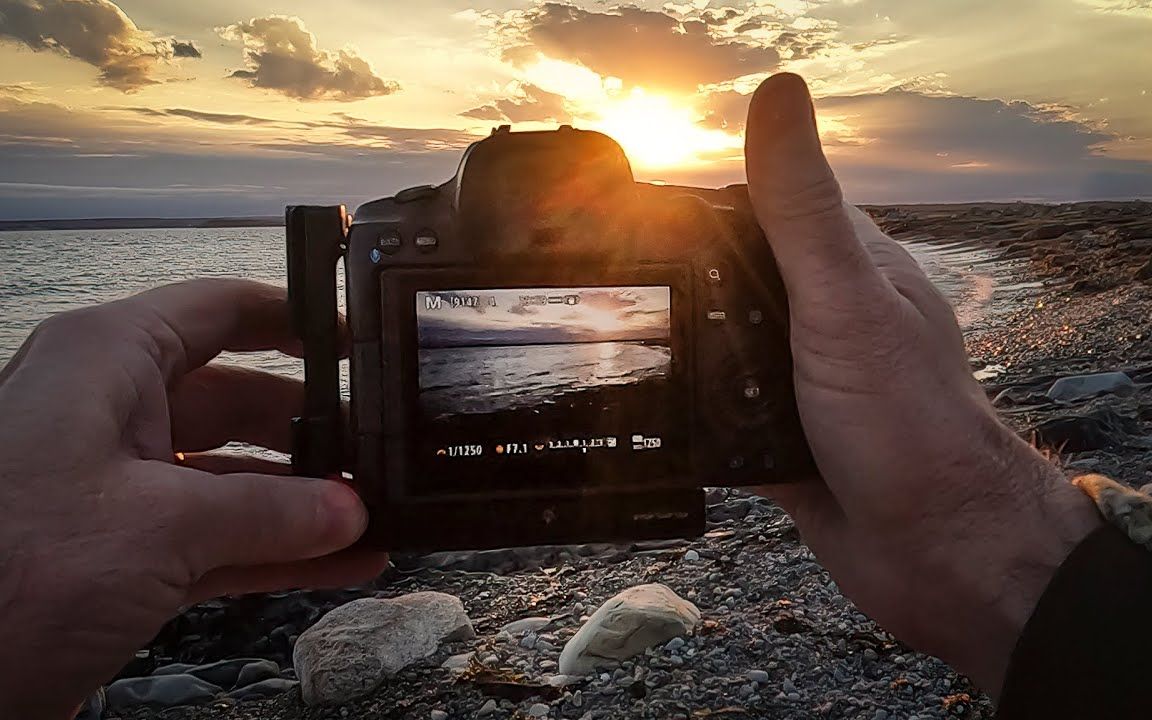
(797, 199)
(248, 519)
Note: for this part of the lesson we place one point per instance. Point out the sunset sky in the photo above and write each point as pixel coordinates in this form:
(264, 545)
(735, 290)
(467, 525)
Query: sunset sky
(236, 107)
(502, 317)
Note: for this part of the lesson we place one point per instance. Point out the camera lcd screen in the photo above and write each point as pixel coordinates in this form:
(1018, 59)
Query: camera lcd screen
(521, 388)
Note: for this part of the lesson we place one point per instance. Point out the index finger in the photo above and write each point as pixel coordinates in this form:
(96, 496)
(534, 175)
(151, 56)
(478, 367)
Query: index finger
(194, 321)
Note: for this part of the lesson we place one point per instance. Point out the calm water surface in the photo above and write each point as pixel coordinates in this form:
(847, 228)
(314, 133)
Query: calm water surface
(42, 273)
(489, 379)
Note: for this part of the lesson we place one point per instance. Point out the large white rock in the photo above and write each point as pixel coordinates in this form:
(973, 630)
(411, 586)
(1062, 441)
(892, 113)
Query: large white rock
(350, 651)
(1081, 387)
(627, 625)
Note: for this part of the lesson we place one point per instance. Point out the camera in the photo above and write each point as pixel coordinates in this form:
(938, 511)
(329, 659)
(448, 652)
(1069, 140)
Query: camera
(543, 351)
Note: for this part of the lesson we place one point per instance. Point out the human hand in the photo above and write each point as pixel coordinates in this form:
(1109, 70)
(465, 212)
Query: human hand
(934, 518)
(102, 537)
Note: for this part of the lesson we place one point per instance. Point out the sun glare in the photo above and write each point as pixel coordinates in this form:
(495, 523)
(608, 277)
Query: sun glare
(657, 133)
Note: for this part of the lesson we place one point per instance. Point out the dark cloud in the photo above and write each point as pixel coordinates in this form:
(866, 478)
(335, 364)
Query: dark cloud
(94, 31)
(186, 50)
(641, 47)
(905, 146)
(725, 110)
(351, 130)
(529, 104)
(718, 17)
(282, 55)
(209, 117)
(955, 130)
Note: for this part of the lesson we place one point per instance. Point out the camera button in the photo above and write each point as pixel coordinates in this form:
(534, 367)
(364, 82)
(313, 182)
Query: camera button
(715, 276)
(755, 317)
(768, 460)
(426, 241)
(390, 242)
(717, 316)
(736, 462)
(751, 389)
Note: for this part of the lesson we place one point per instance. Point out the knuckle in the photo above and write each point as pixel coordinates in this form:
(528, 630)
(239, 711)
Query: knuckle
(818, 200)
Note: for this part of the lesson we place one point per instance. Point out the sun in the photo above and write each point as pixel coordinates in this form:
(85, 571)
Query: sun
(656, 132)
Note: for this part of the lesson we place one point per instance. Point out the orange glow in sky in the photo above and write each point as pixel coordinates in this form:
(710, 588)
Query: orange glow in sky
(655, 132)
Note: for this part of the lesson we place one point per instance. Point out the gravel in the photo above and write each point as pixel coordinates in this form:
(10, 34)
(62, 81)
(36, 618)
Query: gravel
(778, 638)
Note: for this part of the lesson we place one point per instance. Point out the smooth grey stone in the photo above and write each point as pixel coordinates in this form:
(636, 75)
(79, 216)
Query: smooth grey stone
(1082, 387)
(758, 676)
(160, 691)
(226, 673)
(272, 687)
(256, 672)
(487, 709)
(539, 710)
(173, 669)
(438, 715)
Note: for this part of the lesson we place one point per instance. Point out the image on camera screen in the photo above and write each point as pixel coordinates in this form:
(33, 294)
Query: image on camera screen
(576, 379)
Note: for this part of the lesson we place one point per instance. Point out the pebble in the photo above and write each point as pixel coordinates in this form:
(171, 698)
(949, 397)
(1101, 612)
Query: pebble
(691, 556)
(675, 644)
(487, 709)
(491, 660)
(788, 687)
(272, 687)
(881, 714)
(525, 625)
(438, 715)
(758, 676)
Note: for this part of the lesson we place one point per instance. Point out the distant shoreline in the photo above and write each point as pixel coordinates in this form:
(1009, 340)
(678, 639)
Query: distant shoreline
(278, 220)
(141, 223)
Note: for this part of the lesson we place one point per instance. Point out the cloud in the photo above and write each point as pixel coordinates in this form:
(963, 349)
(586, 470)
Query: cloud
(57, 161)
(915, 129)
(903, 145)
(724, 110)
(609, 300)
(186, 50)
(528, 104)
(281, 55)
(210, 117)
(342, 129)
(94, 31)
(640, 47)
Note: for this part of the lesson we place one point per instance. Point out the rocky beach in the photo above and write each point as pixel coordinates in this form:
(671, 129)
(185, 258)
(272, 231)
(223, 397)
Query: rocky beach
(742, 623)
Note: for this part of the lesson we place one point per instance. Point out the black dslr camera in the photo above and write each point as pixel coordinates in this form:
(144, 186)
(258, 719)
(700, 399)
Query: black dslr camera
(543, 351)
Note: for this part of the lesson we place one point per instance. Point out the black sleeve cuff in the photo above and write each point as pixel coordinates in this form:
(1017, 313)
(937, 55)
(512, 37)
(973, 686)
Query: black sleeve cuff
(1086, 652)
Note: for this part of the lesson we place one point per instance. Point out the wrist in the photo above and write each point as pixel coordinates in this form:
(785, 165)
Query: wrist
(1046, 519)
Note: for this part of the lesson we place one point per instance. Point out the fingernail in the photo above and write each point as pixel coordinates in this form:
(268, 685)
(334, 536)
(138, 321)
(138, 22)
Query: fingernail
(782, 105)
(346, 516)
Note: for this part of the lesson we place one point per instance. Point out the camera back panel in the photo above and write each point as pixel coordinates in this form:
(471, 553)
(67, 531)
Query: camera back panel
(569, 357)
